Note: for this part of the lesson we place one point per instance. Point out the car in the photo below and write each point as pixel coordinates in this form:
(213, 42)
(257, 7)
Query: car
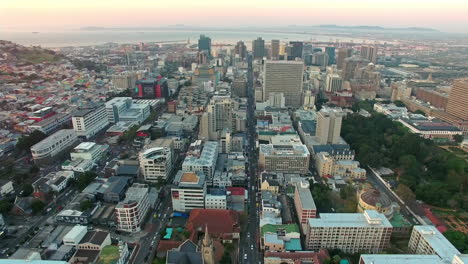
(251, 247)
(248, 234)
(245, 256)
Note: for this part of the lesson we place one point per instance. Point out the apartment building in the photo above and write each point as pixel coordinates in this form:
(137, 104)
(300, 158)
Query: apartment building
(427, 240)
(89, 120)
(132, 210)
(205, 162)
(350, 232)
(156, 163)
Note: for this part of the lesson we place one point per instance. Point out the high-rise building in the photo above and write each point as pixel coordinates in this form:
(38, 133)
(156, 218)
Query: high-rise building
(240, 49)
(369, 53)
(328, 126)
(457, 104)
(189, 191)
(350, 232)
(125, 80)
(330, 51)
(343, 53)
(304, 203)
(333, 83)
(89, 119)
(218, 116)
(258, 48)
(205, 162)
(284, 77)
(296, 50)
(320, 59)
(204, 44)
(275, 49)
(131, 212)
(427, 240)
(350, 65)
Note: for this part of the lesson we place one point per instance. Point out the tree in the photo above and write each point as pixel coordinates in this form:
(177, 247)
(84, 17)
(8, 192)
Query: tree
(26, 189)
(458, 138)
(399, 103)
(5, 206)
(85, 205)
(458, 239)
(26, 142)
(405, 193)
(37, 206)
(34, 169)
(85, 179)
(420, 112)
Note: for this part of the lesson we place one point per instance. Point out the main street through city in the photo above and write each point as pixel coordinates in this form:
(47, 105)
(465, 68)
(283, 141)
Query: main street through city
(250, 250)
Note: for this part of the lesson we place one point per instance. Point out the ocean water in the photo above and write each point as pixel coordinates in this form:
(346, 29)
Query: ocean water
(88, 38)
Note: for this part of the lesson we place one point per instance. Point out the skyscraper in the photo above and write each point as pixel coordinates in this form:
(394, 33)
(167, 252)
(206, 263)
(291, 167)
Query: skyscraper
(369, 53)
(204, 44)
(240, 49)
(343, 53)
(350, 65)
(296, 50)
(457, 104)
(258, 48)
(329, 126)
(331, 55)
(333, 83)
(275, 48)
(284, 77)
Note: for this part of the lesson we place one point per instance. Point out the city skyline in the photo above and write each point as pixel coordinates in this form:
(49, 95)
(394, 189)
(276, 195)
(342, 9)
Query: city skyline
(447, 16)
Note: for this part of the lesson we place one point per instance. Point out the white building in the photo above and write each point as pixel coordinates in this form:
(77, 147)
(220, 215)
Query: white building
(334, 83)
(53, 145)
(131, 212)
(89, 120)
(58, 181)
(216, 199)
(6, 187)
(51, 124)
(74, 236)
(123, 109)
(284, 158)
(156, 163)
(206, 162)
(350, 232)
(427, 240)
(189, 191)
(89, 151)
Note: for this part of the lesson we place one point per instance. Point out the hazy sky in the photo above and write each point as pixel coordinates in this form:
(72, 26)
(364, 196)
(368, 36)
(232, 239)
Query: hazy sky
(445, 15)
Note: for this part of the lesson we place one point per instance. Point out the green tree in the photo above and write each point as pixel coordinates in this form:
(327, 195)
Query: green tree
(26, 189)
(399, 103)
(37, 206)
(85, 205)
(458, 138)
(458, 239)
(405, 193)
(85, 179)
(5, 206)
(26, 142)
(420, 112)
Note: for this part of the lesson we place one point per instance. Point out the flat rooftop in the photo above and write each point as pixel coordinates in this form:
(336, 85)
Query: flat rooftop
(306, 199)
(370, 218)
(443, 248)
(400, 258)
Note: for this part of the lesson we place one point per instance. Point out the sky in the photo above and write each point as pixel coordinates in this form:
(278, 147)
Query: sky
(35, 15)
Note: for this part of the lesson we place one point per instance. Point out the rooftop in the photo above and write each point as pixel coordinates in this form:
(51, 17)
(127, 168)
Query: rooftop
(134, 194)
(306, 199)
(400, 258)
(289, 150)
(370, 218)
(442, 247)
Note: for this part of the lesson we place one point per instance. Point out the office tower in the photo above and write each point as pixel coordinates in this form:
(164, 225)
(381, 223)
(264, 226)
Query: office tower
(125, 80)
(152, 88)
(333, 83)
(258, 48)
(308, 100)
(307, 49)
(204, 44)
(329, 126)
(131, 212)
(343, 53)
(284, 77)
(457, 104)
(350, 65)
(189, 191)
(350, 232)
(123, 109)
(240, 49)
(275, 49)
(296, 50)
(369, 53)
(218, 116)
(90, 119)
(331, 55)
(284, 158)
(320, 59)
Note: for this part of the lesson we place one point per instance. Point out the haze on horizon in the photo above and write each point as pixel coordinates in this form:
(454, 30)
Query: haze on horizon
(40, 15)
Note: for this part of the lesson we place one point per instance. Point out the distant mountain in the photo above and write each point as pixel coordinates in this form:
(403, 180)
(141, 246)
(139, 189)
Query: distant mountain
(378, 28)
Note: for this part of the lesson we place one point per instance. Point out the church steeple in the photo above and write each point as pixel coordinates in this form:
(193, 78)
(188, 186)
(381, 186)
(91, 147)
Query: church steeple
(208, 248)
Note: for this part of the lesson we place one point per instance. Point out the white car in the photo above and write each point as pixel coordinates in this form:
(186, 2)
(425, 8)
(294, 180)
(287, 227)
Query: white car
(245, 256)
